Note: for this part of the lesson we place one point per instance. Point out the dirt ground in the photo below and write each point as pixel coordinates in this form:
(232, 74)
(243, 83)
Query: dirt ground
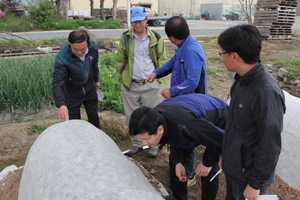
(16, 140)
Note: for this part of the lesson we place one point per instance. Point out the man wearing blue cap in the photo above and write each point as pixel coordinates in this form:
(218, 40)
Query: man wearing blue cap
(140, 52)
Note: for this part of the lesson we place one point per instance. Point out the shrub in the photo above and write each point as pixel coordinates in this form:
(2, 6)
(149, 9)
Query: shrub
(47, 26)
(43, 13)
(68, 25)
(111, 24)
(11, 23)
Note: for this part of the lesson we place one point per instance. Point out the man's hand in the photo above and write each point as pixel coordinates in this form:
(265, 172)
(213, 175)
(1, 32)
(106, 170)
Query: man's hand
(63, 113)
(166, 93)
(202, 170)
(180, 172)
(97, 85)
(220, 163)
(150, 78)
(251, 193)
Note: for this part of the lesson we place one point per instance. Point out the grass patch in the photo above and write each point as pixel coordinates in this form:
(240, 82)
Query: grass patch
(292, 66)
(39, 128)
(20, 120)
(206, 39)
(210, 71)
(56, 41)
(214, 59)
(220, 70)
(35, 128)
(206, 47)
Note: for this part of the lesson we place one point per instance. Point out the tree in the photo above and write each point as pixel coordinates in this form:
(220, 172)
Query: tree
(247, 8)
(57, 2)
(115, 9)
(43, 13)
(101, 9)
(65, 9)
(92, 7)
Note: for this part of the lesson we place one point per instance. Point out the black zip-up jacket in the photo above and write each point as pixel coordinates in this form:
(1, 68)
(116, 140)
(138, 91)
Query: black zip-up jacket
(252, 140)
(191, 120)
(72, 76)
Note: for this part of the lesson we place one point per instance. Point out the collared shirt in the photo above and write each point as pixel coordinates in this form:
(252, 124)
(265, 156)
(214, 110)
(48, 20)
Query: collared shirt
(142, 62)
(83, 57)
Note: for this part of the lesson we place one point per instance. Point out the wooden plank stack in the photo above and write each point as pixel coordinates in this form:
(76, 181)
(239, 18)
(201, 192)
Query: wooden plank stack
(274, 18)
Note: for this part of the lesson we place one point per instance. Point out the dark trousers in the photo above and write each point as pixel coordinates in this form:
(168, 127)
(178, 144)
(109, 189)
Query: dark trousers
(189, 167)
(235, 190)
(179, 189)
(90, 102)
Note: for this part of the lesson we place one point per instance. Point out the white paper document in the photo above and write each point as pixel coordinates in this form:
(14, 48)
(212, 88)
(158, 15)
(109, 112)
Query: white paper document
(267, 197)
(100, 95)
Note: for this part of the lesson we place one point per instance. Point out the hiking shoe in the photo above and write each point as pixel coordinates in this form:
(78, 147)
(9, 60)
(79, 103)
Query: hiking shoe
(133, 150)
(191, 181)
(153, 151)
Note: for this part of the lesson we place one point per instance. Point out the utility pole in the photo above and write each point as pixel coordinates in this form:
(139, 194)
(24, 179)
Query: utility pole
(128, 14)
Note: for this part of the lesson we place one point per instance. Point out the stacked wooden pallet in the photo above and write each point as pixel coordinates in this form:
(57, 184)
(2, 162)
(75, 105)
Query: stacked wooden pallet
(274, 18)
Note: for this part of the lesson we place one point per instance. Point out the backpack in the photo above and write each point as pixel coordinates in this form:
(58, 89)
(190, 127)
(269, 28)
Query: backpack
(126, 41)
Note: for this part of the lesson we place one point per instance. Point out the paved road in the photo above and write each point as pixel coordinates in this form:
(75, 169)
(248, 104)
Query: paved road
(198, 28)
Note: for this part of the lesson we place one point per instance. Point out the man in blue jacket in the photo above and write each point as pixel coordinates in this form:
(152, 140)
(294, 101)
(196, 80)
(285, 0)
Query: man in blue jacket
(188, 66)
(184, 122)
(75, 78)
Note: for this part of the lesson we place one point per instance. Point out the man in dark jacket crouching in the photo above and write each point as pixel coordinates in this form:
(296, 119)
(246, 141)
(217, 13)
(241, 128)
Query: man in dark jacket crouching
(185, 122)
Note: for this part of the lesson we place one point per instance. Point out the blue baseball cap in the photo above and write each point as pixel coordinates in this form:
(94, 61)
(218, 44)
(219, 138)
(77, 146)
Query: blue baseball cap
(138, 14)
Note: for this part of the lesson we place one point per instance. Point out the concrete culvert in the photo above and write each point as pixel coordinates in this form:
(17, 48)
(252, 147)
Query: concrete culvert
(74, 160)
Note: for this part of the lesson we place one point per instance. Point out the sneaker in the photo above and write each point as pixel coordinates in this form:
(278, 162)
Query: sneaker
(191, 181)
(133, 150)
(153, 151)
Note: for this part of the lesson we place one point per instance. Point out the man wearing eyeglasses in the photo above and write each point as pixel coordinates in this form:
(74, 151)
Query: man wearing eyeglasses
(140, 51)
(185, 122)
(252, 140)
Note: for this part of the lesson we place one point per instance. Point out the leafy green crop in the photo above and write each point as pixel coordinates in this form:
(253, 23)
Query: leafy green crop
(110, 85)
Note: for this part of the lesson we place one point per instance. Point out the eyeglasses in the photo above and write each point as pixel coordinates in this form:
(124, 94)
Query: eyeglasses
(220, 53)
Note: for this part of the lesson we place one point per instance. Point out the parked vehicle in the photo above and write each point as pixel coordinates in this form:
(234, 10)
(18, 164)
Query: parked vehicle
(161, 21)
(206, 15)
(232, 17)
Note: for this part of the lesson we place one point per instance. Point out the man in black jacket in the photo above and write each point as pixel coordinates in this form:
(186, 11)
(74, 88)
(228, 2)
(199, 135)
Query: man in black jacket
(252, 140)
(184, 122)
(75, 78)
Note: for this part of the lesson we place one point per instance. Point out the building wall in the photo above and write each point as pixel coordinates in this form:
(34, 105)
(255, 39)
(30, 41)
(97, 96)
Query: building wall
(216, 9)
(298, 9)
(85, 4)
(190, 8)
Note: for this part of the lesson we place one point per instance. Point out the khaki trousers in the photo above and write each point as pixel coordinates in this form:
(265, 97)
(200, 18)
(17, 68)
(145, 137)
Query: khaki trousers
(140, 94)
